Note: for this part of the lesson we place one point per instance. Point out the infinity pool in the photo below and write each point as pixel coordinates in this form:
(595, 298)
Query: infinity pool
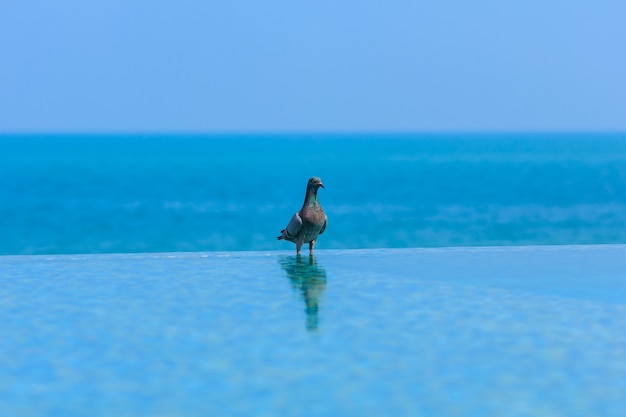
(505, 331)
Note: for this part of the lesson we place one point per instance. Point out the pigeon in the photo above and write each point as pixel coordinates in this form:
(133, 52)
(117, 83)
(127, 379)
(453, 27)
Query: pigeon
(308, 223)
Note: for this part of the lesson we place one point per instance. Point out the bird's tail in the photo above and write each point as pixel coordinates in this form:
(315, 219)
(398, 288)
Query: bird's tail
(282, 234)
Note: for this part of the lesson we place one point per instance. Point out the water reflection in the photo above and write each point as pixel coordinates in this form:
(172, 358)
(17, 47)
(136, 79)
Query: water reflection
(309, 279)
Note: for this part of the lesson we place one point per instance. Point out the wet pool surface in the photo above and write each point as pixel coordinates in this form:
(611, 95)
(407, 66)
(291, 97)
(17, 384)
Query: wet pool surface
(503, 331)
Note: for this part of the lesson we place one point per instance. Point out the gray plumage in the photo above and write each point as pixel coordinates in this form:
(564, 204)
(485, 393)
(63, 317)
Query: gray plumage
(308, 223)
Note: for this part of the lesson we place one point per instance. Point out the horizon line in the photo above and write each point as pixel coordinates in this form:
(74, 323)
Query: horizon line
(227, 133)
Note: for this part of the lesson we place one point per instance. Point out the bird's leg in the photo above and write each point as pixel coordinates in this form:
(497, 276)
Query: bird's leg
(312, 245)
(298, 247)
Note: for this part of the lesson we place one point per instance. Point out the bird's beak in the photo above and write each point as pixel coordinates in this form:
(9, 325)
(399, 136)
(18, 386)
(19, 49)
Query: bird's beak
(322, 185)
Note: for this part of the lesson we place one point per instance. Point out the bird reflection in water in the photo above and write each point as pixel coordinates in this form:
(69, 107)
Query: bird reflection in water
(309, 279)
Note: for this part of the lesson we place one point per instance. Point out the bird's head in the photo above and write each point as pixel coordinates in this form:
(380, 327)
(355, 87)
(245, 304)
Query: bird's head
(315, 183)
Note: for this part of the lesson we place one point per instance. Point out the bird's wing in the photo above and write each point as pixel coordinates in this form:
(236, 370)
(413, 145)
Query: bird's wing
(294, 226)
(324, 227)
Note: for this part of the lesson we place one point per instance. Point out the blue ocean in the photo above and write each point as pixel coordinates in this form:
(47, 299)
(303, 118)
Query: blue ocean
(459, 275)
(77, 194)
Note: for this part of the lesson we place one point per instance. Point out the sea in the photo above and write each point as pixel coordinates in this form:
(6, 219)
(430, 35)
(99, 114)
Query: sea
(459, 275)
(128, 193)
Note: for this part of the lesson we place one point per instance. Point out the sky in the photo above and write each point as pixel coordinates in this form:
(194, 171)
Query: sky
(307, 66)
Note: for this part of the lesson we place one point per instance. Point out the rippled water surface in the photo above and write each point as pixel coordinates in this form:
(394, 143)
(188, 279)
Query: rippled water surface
(503, 331)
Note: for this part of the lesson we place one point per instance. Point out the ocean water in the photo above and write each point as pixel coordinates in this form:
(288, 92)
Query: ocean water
(165, 193)
(159, 287)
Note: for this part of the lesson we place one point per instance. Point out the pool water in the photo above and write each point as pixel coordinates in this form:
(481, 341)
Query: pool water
(502, 331)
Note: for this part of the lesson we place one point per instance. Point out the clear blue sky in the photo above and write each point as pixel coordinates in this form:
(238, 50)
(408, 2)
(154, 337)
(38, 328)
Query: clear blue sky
(348, 65)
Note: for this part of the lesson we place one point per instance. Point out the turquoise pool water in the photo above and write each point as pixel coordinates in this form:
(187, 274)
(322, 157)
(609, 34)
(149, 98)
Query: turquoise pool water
(505, 331)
